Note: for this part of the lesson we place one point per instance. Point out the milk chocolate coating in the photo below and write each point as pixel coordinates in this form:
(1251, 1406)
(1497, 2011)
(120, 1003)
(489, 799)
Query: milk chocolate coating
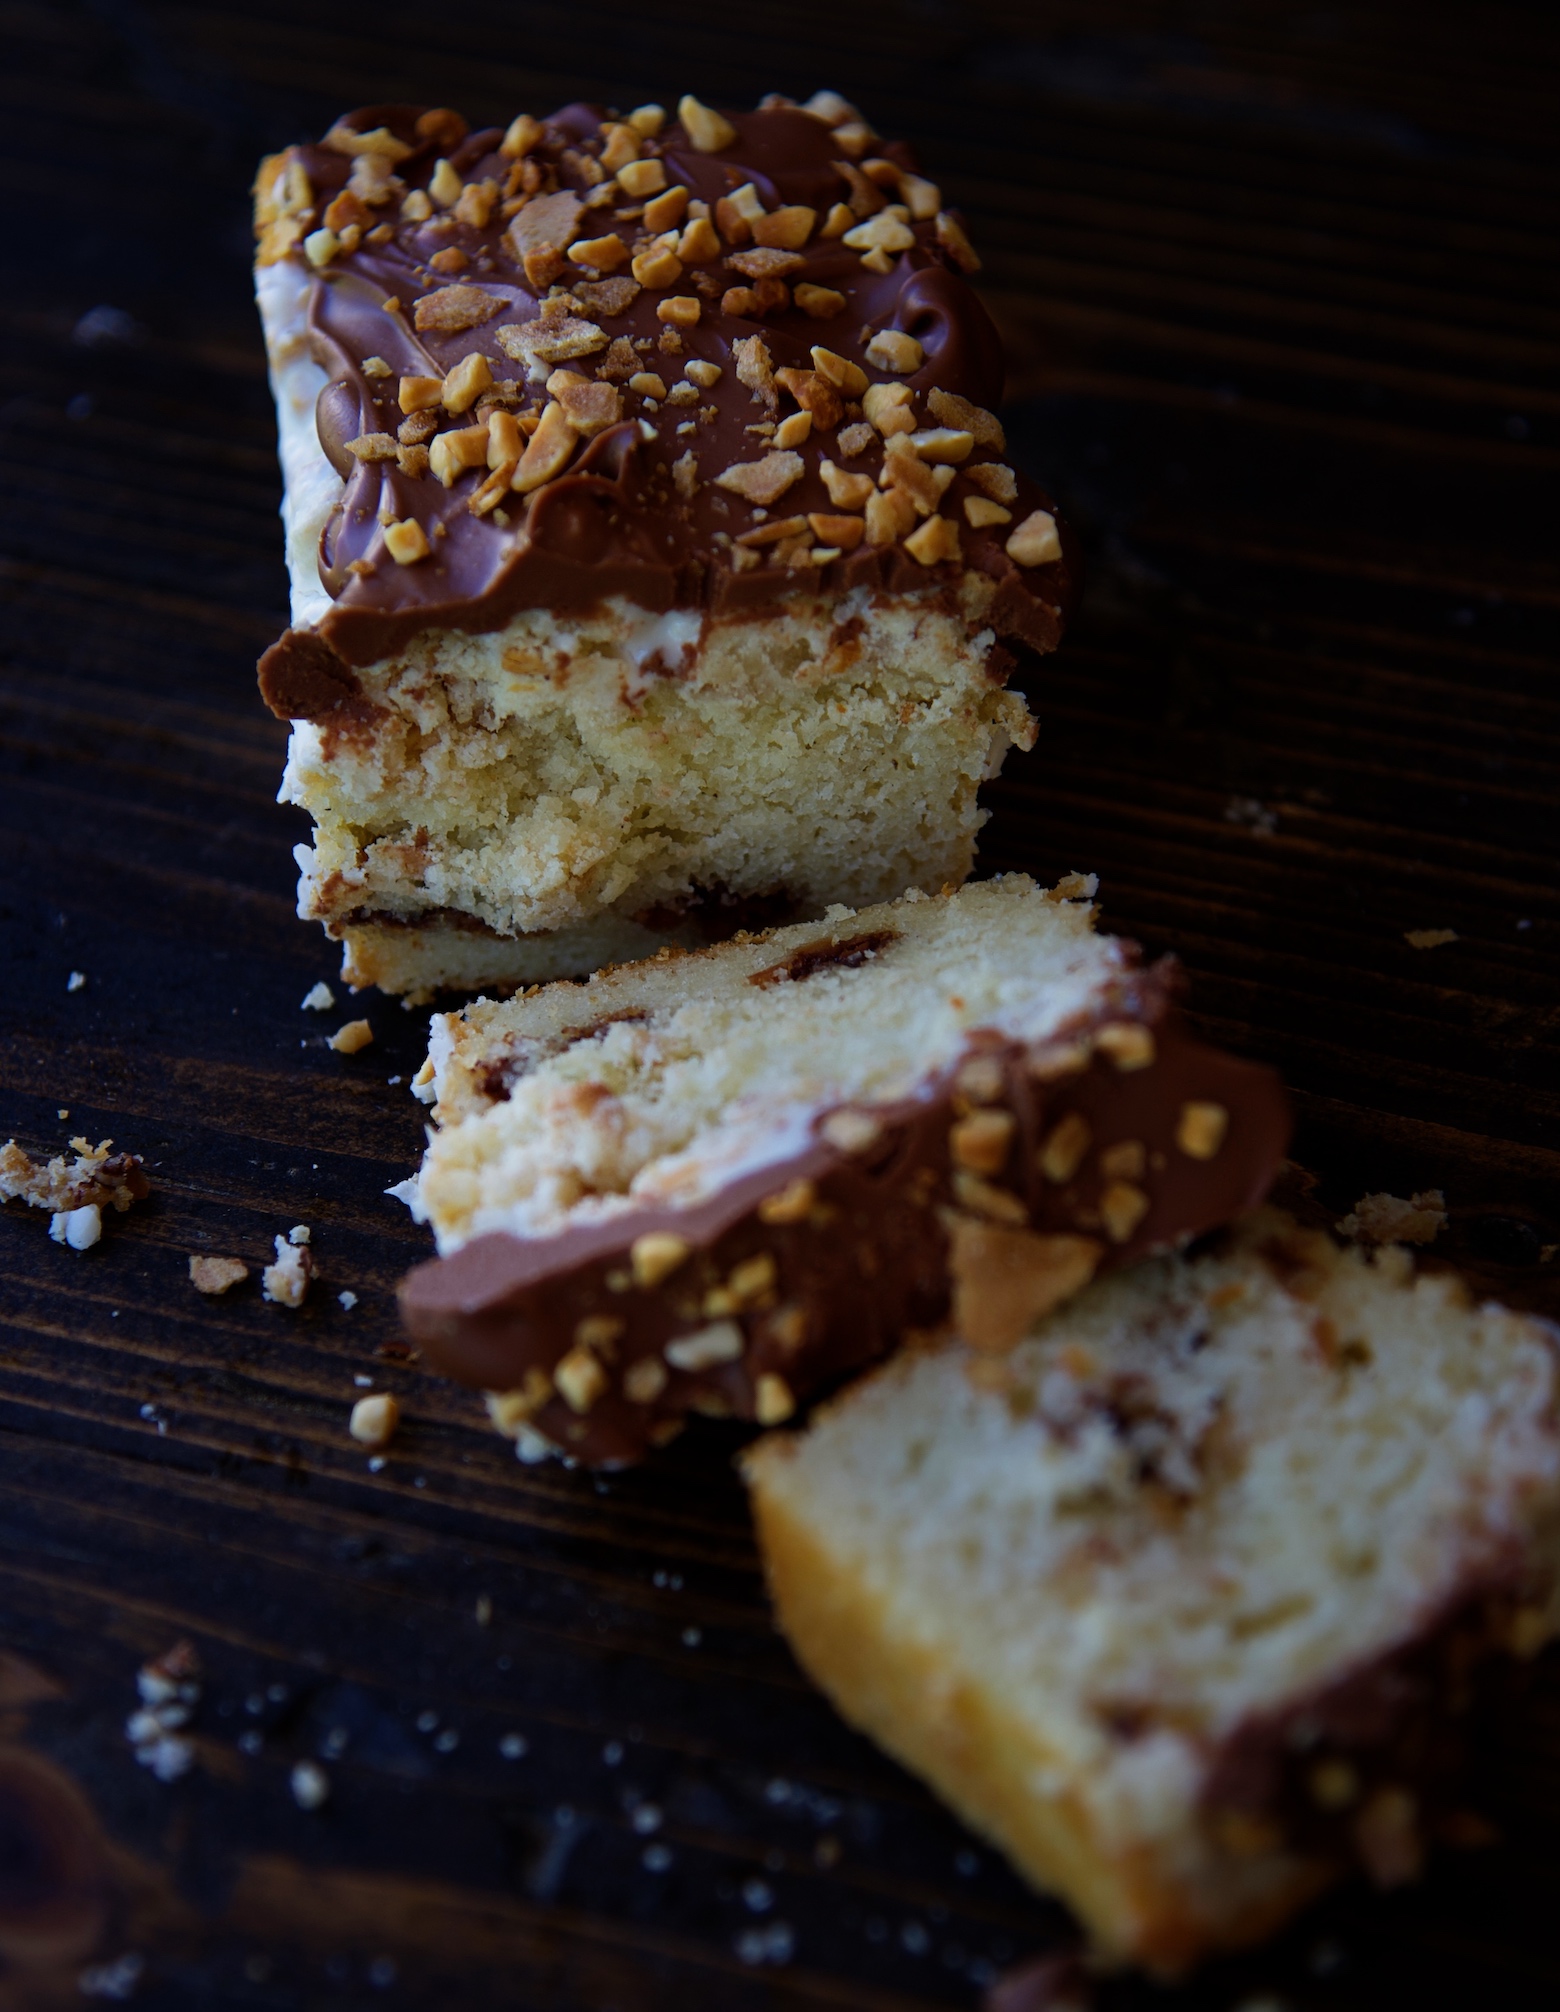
(872, 1259)
(614, 523)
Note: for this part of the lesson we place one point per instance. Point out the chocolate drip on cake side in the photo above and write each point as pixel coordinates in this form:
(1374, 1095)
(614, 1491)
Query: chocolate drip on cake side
(1006, 1184)
(412, 285)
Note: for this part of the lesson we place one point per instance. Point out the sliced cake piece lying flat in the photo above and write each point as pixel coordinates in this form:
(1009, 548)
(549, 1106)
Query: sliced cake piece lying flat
(1180, 1601)
(718, 1180)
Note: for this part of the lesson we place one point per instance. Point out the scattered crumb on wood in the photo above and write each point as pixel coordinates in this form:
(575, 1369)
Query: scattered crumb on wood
(374, 1419)
(287, 1281)
(97, 1174)
(1429, 939)
(216, 1274)
(1388, 1219)
(318, 999)
(349, 1039)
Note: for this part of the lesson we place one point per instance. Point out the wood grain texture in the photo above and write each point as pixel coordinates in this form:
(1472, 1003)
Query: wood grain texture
(1280, 294)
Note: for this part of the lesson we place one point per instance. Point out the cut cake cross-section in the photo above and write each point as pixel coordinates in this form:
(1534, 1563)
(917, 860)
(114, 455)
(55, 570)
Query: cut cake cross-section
(1181, 1602)
(656, 564)
(719, 1180)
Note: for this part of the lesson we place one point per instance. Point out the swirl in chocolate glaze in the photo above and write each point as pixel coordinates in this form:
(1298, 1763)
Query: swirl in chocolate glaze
(618, 521)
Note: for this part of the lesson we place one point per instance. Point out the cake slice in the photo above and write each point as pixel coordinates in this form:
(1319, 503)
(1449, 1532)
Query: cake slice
(656, 564)
(720, 1179)
(1181, 1601)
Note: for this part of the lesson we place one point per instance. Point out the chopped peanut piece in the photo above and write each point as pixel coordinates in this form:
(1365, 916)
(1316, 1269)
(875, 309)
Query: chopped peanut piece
(997, 481)
(682, 310)
(521, 137)
(904, 469)
(489, 494)
(1128, 1043)
(793, 431)
(698, 244)
(846, 491)
(922, 198)
(374, 1419)
(590, 407)
(983, 1198)
(953, 238)
(419, 394)
(580, 1378)
(886, 232)
(950, 410)
(702, 373)
(854, 138)
(666, 212)
(548, 451)
(843, 533)
(506, 442)
(1122, 1208)
(466, 382)
(647, 384)
(890, 408)
(980, 511)
(942, 444)
(373, 447)
(762, 482)
(785, 229)
(737, 213)
(451, 259)
(603, 254)
(936, 541)
(1004, 1280)
(685, 474)
(406, 541)
(848, 378)
(1200, 1129)
(643, 1381)
(416, 207)
(659, 266)
(348, 1040)
(451, 454)
(1035, 542)
(656, 1255)
(773, 1403)
(773, 533)
(477, 203)
(641, 178)
(1062, 1153)
(707, 131)
(791, 1204)
(620, 148)
(445, 185)
(982, 1140)
(889, 515)
(821, 302)
(840, 219)
(892, 349)
(321, 246)
(1127, 1160)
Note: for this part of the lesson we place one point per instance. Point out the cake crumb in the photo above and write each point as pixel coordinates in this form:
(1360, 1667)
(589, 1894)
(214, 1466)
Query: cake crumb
(1429, 939)
(1388, 1219)
(75, 981)
(347, 1040)
(300, 1233)
(374, 1419)
(347, 1299)
(310, 1785)
(216, 1274)
(286, 1281)
(97, 1175)
(80, 1228)
(318, 999)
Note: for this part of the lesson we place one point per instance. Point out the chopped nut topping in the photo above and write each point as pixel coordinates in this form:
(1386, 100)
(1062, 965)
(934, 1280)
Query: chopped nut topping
(666, 212)
(451, 259)
(581, 1380)
(708, 132)
(764, 263)
(619, 363)
(843, 534)
(1387, 1836)
(603, 254)
(352, 1038)
(417, 206)
(643, 1381)
(980, 512)
(885, 233)
(444, 185)
(522, 136)
(821, 302)
(550, 339)
(922, 198)
(488, 494)
(953, 238)
(600, 1331)
(889, 407)
(840, 219)
(406, 541)
(373, 447)
(1004, 1280)
(412, 462)
(422, 423)
(656, 1255)
(980, 1079)
(998, 482)
(647, 120)
(698, 244)
(785, 229)
(1128, 1043)
(547, 223)
(466, 382)
(1122, 1208)
(942, 444)
(642, 178)
(853, 440)
(851, 1131)
(477, 203)
(647, 384)
(321, 246)
(1058, 1058)
(773, 1403)
(547, 452)
(752, 1278)
(607, 296)
(904, 469)
(890, 514)
(1125, 1161)
(772, 533)
(706, 1348)
(590, 408)
(950, 410)
(217, 1274)
(453, 308)
(815, 394)
(737, 213)
(762, 482)
(1333, 1784)
(891, 349)
(793, 431)
(506, 442)
(830, 107)
(659, 266)
(754, 369)
(703, 373)
(620, 148)
(681, 309)
(848, 378)
(791, 1204)
(685, 474)
(982, 1198)
(379, 140)
(453, 453)
(982, 1140)
(1035, 542)
(374, 1419)
(1200, 1129)
(848, 492)
(1062, 1153)
(854, 137)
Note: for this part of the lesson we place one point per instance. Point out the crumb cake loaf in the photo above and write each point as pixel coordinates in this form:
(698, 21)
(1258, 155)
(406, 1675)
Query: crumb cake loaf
(718, 1179)
(656, 566)
(1180, 1601)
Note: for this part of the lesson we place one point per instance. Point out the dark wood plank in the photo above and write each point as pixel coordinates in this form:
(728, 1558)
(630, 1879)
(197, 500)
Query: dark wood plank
(1284, 319)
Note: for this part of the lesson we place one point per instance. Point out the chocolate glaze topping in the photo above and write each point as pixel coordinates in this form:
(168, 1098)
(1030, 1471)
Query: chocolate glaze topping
(619, 519)
(864, 1252)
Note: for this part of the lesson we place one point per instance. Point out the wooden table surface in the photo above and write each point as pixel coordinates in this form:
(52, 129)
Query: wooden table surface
(1280, 290)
